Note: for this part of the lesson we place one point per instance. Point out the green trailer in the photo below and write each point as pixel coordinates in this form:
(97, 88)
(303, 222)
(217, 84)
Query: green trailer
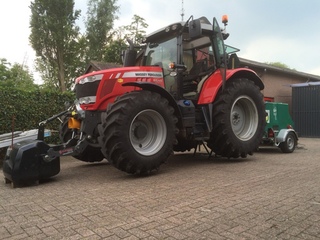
(279, 130)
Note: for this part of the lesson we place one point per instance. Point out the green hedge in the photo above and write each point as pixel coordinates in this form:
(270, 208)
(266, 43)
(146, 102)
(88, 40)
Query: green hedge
(23, 110)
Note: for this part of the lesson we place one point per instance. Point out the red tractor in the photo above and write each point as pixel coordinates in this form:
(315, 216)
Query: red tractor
(179, 92)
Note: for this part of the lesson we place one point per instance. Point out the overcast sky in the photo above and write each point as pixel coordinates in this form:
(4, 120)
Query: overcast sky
(265, 30)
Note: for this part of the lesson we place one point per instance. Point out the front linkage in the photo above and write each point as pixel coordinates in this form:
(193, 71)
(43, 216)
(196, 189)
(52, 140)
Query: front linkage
(72, 147)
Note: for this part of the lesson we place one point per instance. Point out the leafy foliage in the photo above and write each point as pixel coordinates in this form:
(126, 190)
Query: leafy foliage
(99, 23)
(53, 34)
(4, 69)
(16, 76)
(114, 50)
(280, 65)
(25, 109)
(118, 42)
(137, 29)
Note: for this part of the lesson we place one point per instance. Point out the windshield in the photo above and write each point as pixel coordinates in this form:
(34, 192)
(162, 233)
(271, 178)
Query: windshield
(161, 53)
(218, 44)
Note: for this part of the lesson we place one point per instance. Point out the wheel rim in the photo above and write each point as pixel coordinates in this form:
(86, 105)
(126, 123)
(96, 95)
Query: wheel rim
(148, 132)
(244, 118)
(290, 143)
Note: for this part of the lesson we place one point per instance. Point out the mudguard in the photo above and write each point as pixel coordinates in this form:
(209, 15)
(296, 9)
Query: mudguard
(281, 137)
(213, 84)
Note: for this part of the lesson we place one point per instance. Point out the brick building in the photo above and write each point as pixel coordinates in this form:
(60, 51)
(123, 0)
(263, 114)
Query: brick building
(278, 80)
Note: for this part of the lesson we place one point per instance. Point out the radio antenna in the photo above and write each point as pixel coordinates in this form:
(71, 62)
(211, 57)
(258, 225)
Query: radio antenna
(182, 11)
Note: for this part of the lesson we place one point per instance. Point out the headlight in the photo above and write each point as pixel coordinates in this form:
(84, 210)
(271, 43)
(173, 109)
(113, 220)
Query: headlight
(91, 79)
(87, 100)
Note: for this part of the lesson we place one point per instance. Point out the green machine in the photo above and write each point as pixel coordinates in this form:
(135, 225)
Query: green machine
(279, 130)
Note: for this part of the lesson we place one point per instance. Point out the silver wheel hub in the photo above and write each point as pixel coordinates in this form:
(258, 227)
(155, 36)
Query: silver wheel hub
(148, 132)
(290, 143)
(244, 118)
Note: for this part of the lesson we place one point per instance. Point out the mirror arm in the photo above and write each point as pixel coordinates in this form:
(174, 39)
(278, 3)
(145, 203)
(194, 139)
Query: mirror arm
(185, 25)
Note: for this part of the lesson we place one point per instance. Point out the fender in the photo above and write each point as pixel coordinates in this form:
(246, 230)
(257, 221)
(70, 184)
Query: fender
(213, 84)
(282, 135)
(158, 89)
(153, 88)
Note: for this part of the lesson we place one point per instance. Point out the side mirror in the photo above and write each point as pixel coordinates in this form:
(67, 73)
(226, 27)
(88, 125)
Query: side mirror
(129, 58)
(195, 28)
(130, 55)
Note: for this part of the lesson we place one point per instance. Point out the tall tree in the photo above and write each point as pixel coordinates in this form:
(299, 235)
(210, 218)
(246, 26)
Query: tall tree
(118, 42)
(53, 34)
(99, 23)
(137, 29)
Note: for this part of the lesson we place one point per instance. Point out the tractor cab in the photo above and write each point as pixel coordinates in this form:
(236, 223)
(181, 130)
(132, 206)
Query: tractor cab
(188, 52)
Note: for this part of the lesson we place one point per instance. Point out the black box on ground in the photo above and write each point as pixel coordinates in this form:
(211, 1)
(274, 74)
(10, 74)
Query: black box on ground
(25, 163)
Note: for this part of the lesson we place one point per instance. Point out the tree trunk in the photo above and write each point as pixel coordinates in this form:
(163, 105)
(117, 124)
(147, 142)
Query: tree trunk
(61, 73)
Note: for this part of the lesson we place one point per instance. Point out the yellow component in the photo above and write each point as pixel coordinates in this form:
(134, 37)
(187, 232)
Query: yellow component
(74, 123)
(73, 113)
(120, 80)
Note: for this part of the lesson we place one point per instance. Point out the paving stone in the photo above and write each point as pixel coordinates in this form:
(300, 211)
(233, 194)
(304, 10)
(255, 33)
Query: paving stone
(269, 195)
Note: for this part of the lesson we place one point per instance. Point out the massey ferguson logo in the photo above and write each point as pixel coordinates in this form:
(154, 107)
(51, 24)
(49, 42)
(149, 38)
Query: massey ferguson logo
(148, 74)
(143, 74)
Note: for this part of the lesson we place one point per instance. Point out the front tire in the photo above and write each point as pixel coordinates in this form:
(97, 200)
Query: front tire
(238, 119)
(137, 132)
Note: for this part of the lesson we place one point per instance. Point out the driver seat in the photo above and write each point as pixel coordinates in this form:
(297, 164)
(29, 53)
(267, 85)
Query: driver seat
(195, 75)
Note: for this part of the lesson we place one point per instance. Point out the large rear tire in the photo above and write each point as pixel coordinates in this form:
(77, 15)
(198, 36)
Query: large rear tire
(137, 132)
(89, 153)
(238, 119)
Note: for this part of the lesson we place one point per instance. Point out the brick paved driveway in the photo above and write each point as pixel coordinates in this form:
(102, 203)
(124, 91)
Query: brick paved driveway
(269, 195)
